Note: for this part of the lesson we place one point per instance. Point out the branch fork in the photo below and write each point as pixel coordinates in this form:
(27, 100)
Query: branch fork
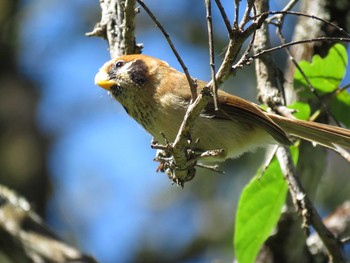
(179, 159)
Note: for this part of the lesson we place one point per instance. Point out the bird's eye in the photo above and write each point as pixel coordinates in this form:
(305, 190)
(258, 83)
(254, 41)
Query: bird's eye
(119, 64)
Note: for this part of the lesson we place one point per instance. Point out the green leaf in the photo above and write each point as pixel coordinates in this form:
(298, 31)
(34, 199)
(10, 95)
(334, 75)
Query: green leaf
(340, 106)
(303, 110)
(259, 209)
(325, 74)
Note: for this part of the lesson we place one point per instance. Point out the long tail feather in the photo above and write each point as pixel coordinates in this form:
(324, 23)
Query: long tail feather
(323, 134)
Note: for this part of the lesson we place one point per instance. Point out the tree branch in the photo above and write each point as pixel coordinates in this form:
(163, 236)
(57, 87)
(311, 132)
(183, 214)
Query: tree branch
(269, 78)
(181, 167)
(270, 86)
(117, 26)
(211, 51)
(338, 222)
(25, 237)
(306, 209)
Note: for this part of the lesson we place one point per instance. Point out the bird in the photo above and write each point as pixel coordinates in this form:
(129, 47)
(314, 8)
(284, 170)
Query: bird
(157, 96)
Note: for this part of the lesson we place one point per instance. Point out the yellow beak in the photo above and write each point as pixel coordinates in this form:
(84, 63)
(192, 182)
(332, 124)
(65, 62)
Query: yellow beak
(102, 80)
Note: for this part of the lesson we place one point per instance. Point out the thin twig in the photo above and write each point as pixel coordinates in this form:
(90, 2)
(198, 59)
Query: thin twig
(342, 89)
(314, 91)
(292, 43)
(224, 17)
(234, 46)
(245, 60)
(345, 240)
(309, 84)
(176, 53)
(285, 12)
(288, 7)
(235, 22)
(270, 154)
(211, 52)
(246, 16)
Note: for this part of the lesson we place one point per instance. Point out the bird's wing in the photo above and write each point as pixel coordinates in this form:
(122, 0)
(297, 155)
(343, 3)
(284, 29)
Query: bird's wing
(236, 108)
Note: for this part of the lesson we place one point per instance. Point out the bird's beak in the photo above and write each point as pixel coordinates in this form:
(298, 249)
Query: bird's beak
(102, 80)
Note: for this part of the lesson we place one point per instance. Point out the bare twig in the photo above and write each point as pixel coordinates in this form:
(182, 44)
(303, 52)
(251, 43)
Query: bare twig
(290, 5)
(286, 12)
(234, 46)
(342, 89)
(246, 17)
(225, 18)
(305, 207)
(235, 22)
(338, 222)
(313, 90)
(211, 52)
(176, 53)
(279, 16)
(245, 60)
(293, 43)
(270, 154)
(309, 84)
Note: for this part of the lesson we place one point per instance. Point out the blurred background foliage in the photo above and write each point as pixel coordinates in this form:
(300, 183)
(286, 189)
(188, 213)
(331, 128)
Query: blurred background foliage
(87, 167)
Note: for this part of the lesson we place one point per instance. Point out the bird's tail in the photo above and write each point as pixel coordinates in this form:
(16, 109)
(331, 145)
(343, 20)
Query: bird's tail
(326, 135)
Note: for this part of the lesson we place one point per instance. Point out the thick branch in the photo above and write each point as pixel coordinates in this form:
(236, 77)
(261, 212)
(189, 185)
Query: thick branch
(25, 238)
(306, 208)
(338, 222)
(269, 77)
(270, 86)
(117, 25)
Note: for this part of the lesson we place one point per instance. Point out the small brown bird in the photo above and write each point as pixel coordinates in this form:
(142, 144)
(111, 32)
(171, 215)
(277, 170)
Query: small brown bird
(157, 96)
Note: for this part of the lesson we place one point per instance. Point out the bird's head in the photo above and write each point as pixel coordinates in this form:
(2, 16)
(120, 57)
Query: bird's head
(129, 73)
(134, 81)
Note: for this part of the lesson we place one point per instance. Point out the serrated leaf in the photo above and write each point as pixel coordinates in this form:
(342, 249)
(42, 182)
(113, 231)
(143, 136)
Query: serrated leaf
(325, 74)
(303, 110)
(259, 209)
